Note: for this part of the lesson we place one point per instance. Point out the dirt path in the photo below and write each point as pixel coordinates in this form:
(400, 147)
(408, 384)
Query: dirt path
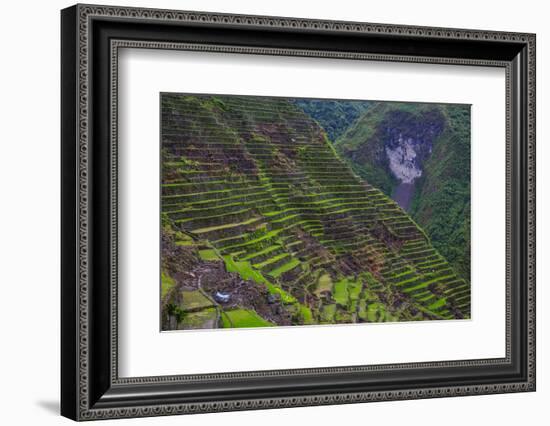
(402, 194)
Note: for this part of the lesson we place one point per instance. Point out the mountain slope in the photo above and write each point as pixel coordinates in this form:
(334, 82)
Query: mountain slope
(419, 154)
(264, 225)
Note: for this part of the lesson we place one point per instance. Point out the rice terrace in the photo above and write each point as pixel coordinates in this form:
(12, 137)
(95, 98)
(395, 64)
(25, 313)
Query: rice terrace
(290, 211)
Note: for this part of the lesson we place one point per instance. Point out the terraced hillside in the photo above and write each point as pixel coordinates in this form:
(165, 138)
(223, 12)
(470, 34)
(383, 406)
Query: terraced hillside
(419, 154)
(263, 225)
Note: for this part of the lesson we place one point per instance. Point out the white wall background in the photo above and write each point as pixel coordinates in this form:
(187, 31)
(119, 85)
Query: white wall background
(29, 211)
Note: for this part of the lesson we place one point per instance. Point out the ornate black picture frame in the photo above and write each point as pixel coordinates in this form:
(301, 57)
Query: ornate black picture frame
(90, 38)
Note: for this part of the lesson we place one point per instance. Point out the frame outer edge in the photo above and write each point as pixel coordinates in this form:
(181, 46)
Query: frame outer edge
(531, 200)
(83, 104)
(69, 221)
(83, 13)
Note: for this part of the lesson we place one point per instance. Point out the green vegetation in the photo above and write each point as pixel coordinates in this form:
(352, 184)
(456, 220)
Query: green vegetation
(208, 255)
(205, 318)
(247, 272)
(441, 199)
(240, 318)
(167, 284)
(341, 295)
(284, 268)
(195, 300)
(264, 224)
(347, 292)
(376, 312)
(307, 316)
(328, 313)
(362, 149)
(324, 284)
(332, 115)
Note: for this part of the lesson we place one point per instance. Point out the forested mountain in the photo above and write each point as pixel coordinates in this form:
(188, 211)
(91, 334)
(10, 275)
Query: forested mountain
(334, 116)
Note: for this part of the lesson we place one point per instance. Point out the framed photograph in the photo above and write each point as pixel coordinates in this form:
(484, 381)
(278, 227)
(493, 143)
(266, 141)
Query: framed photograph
(263, 212)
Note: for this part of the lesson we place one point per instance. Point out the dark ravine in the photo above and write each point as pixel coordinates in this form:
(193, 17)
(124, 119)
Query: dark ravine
(263, 224)
(403, 194)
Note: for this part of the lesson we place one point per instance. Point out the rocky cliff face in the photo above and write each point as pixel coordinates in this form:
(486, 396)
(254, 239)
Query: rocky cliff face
(408, 141)
(399, 143)
(274, 229)
(403, 160)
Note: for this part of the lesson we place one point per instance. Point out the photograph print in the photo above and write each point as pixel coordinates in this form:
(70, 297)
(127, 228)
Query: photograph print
(280, 211)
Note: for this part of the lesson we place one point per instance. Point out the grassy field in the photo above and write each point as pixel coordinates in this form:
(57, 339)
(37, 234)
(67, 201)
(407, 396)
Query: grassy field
(243, 318)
